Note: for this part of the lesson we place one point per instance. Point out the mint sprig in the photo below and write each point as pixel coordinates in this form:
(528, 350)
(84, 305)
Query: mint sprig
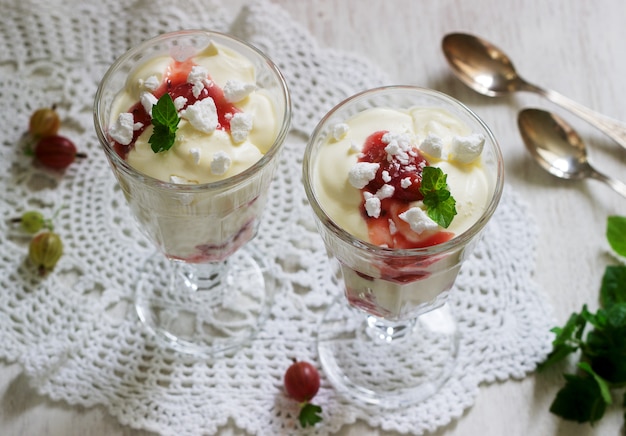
(601, 339)
(309, 414)
(165, 120)
(440, 205)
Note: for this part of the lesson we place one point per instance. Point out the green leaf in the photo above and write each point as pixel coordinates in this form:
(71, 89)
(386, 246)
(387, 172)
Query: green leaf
(613, 289)
(309, 415)
(605, 390)
(573, 329)
(567, 340)
(598, 319)
(161, 139)
(584, 397)
(616, 316)
(616, 234)
(440, 205)
(164, 112)
(556, 355)
(605, 348)
(165, 120)
(579, 400)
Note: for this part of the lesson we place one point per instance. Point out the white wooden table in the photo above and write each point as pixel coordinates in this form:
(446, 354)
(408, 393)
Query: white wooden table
(574, 47)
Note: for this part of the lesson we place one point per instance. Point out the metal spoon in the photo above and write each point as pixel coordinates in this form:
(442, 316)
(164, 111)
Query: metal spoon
(557, 147)
(489, 71)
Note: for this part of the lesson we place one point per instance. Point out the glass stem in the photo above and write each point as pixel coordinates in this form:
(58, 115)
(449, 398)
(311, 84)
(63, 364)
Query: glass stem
(203, 277)
(382, 330)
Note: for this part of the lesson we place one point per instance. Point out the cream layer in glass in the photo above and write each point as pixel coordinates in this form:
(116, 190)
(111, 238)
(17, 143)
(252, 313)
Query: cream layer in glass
(393, 287)
(212, 145)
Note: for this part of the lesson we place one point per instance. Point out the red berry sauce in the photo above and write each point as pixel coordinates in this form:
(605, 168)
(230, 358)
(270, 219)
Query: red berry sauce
(410, 167)
(175, 84)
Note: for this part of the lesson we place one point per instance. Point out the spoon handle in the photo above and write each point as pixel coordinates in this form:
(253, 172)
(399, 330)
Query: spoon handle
(617, 185)
(613, 128)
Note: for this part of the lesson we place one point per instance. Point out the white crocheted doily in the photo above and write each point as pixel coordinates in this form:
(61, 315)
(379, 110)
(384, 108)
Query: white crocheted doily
(75, 332)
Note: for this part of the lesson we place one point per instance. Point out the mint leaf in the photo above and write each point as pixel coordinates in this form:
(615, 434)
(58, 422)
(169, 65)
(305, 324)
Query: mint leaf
(162, 138)
(567, 340)
(602, 362)
(616, 234)
(579, 400)
(440, 205)
(557, 354)
(310, 415)
(613, 289)
(605, 390)
(164, 112)
(616, 316)
(165, 120)
(573, 329)
(598, 319)
(606, 345)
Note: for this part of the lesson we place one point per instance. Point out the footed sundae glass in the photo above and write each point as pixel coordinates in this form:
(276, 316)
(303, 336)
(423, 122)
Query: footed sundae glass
(205, 291)
(391, 339)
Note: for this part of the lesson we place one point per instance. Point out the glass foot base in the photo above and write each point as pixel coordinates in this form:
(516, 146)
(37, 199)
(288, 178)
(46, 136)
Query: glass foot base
(205, 309)
(387, 364)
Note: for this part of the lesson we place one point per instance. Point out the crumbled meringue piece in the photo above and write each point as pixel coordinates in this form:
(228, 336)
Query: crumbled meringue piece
(195, 154)
(372, 205)
(362, 173)
(340, 130)
(235, 90)
(386, 177)
(197, 78)
(432, 145)
(418, 220)
(202, 115)
(151, 83)
(148, 100)
(240, 126)
(385, 191)
(466, 149)
(180, 102)
(398, 146)
(220, 163)
(122, 130)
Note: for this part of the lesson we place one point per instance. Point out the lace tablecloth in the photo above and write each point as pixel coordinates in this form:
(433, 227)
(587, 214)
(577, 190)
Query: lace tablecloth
(75, 332)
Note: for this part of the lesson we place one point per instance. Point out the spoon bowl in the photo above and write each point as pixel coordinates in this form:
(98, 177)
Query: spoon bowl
(488, 70)
(556, 146)
(481, 65)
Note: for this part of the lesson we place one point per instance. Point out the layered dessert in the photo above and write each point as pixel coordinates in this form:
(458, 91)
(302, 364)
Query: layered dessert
(191, 119)
(401, 179)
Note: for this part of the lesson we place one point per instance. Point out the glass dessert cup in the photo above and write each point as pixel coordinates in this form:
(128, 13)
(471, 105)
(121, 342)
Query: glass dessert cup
(396, 341)
(204, 291)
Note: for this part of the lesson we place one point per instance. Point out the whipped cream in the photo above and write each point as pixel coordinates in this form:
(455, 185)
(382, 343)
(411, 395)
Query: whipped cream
(227, 122)
(445, 142)
(203, 151)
